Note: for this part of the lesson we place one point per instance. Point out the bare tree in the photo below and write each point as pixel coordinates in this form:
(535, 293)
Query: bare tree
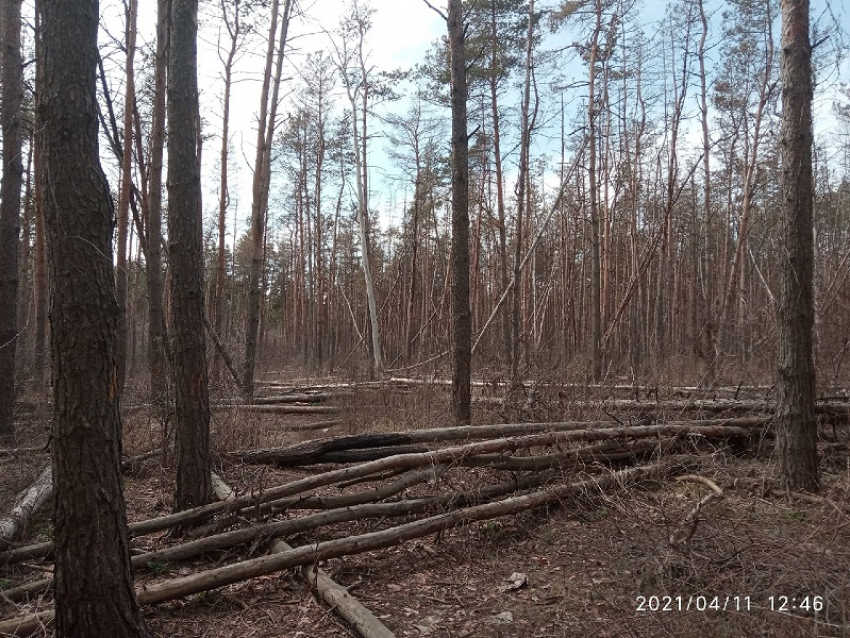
(797, 442)
(357, 90)
(10, 204)
(93, 583)
(233, 25)
(260, 188)
(522, 188)
(121, 268)
(189, 365)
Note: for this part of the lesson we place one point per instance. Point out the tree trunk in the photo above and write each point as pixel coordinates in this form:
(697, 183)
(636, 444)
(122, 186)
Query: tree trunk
(189, 365)
(461, 315)
(519, 336)
(234, 30)
(94, 584)
(797, 444)
(10, 204)
(156, 314)
(595, 259)
(500, 187)
(121, 269)
(260, 194)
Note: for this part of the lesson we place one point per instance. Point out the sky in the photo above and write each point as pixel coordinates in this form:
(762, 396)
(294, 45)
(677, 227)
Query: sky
(403, 30)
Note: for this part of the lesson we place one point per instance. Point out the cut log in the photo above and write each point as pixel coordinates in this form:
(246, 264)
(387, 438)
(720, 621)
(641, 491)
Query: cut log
(221, 489)
(340, 601)
(337, 597)
(703, 429)
(26, 505)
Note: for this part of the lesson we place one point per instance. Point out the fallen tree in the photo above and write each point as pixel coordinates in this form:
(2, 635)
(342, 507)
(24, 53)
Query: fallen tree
(309, 451)
(310, 554)
(278, 409)
(452, 455)
(26, 505)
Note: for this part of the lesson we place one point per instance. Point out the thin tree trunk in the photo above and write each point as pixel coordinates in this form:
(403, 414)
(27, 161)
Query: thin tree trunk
(519, 336)
(234, 30)
(500, 194)
(11, 96)
(121, 264)
(709, 327)
(595, 270)
(260, 190)
(156, 313)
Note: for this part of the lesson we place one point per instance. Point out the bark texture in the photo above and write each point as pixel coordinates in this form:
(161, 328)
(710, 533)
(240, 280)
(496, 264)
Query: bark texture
(189, 364)
(10, 204)
(461, 315)
(156, 316)
(797, 441)
(94, 585)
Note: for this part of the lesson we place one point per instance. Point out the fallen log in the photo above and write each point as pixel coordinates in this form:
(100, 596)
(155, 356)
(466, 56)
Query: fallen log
(318, 425)
(26, 505)
(371, 454)
(381, 493)
(26, 591)
(26, 625)
(337, 597)
(712, 429)
(306, 397)
(608, 452)
(278, 409)
(340, 601)
(265, 531)
(307, 555)
(304, 453)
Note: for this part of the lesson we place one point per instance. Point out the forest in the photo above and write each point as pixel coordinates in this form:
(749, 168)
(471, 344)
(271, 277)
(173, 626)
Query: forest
(424, 318)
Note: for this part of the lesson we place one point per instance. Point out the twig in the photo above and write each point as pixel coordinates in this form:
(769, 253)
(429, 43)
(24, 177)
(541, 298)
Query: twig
(693, 518)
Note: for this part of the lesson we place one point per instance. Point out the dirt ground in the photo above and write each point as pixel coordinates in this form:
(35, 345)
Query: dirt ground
(759, 563)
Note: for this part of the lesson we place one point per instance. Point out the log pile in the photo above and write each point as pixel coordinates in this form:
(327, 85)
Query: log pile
(502, 470)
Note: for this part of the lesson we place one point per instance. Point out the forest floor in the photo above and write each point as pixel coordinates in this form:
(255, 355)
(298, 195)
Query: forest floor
(760, 562)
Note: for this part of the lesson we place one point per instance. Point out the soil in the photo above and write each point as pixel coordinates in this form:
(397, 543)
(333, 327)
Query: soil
(758, 562)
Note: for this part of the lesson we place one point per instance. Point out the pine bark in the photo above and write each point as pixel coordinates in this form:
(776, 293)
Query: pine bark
(156, 314)
(189, 365)
(461, 315)
(10, 204)
(797, 440)
(121, 270)
(94, 584)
